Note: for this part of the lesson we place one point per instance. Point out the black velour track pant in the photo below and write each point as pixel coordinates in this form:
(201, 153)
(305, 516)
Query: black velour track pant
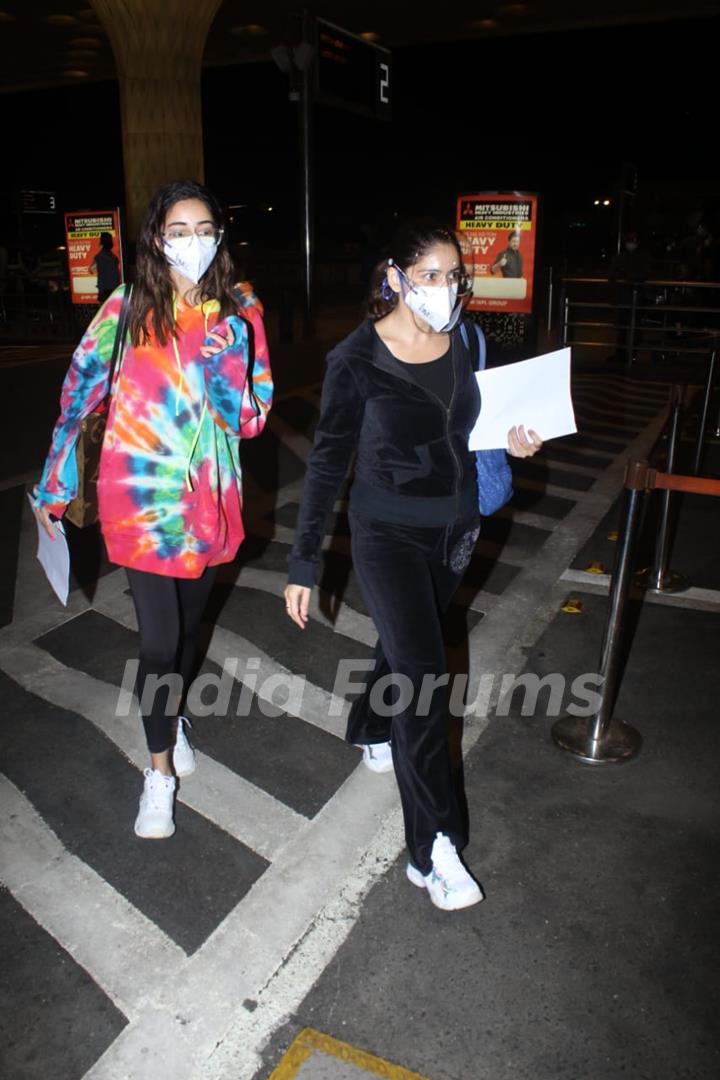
(408, 576)
(169, 613)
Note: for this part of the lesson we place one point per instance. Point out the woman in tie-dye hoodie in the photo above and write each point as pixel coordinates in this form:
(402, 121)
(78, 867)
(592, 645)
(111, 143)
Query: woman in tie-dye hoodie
(192, 381)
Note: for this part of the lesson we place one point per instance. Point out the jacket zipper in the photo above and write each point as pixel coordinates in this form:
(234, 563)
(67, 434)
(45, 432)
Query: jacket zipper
(446, 410)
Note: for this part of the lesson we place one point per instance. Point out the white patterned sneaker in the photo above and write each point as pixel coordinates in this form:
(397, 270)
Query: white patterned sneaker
(449, 884)
(377, 757)
(155, 816)
(183, 753)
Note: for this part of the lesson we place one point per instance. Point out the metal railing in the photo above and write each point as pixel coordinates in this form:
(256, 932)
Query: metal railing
(663, 318)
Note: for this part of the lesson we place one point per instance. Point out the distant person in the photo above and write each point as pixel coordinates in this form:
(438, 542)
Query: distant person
(628, 269)
(509, 262)
(194, 379)
(696, 254)
(632, 263)
(107, 268)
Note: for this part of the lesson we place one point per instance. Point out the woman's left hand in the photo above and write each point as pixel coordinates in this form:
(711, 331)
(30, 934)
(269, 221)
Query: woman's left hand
(223, 340)
(522, 444)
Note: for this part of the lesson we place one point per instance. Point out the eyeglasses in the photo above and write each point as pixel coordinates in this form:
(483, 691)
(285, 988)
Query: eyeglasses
(462, 280)
(184, 232)
(454, 278)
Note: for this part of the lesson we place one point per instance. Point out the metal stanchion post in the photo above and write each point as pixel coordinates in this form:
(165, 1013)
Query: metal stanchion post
(658, 578)
(564, 315)
(704, 413)
(551, 296)
(716, 433)
(631, 331)
(603, 739)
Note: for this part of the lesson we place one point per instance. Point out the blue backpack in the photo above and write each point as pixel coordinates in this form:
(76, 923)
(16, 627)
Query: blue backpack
(494, 476)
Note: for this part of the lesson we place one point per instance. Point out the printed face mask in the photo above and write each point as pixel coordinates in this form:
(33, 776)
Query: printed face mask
(191, 255)
(437, 305)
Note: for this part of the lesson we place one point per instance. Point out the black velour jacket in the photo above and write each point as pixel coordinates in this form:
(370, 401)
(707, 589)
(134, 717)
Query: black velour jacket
(413, 466)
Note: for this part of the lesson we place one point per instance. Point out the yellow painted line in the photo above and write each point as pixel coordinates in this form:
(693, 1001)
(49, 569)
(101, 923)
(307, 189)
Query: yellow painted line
(310, 1040)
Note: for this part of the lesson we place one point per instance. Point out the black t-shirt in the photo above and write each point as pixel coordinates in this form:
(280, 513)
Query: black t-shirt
(434, 375)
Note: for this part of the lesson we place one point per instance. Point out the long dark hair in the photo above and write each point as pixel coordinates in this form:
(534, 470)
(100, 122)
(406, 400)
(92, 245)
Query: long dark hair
(151, 306)
(411, 241)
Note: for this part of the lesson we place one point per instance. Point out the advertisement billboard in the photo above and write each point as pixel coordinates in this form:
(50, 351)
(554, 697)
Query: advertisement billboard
(83, 230)
(497, 233)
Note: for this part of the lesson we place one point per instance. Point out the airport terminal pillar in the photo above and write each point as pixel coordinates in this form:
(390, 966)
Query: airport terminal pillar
(158, 47)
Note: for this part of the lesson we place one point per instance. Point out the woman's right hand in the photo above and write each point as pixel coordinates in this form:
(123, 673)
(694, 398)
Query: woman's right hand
(297, 602)
(44, 518)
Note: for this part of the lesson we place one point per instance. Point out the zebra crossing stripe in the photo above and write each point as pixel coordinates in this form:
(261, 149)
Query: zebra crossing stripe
(181, 1008)
(186, 1019)
(347, 621)
(623, 409)
(124, 951)
(319, 707)
(244, 811)
(293, 440)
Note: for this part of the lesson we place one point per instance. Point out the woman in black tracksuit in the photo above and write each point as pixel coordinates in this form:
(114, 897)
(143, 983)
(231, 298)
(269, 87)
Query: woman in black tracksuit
(400, 390)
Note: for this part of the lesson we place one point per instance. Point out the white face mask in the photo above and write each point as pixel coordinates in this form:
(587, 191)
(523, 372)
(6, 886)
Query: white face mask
(191, 255)
(436, 304)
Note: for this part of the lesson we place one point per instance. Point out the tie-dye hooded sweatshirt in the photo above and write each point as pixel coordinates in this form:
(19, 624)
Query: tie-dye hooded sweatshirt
(170, 487)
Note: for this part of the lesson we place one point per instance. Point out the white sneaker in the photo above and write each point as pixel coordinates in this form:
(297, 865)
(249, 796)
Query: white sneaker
(449, 884)
(377, 757)
(155, 816)
(183, 753)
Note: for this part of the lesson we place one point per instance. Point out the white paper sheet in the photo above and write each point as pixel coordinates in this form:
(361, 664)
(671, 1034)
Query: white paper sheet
(535, 393)
(54, 557)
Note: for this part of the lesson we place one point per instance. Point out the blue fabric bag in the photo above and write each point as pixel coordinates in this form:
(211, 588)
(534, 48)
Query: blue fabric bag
(494, 476)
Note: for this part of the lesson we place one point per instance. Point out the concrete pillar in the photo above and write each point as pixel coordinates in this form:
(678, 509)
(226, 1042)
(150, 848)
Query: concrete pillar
(158, 47)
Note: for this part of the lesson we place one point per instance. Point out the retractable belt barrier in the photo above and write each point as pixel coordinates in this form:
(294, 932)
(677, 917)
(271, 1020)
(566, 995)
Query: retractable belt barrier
(602, 738)
(694, 485)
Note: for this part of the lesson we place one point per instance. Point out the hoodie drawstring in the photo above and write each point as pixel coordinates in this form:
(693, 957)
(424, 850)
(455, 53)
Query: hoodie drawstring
(179, 389)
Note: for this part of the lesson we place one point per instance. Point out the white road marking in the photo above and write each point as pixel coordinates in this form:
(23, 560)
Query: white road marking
(124, 951)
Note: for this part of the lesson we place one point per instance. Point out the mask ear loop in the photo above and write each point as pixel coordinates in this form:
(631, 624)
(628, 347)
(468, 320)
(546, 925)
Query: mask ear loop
(386, 290)
(405, 284)
(455, 316)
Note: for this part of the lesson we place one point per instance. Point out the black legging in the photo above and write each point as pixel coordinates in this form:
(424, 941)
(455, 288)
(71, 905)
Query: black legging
(169, 611)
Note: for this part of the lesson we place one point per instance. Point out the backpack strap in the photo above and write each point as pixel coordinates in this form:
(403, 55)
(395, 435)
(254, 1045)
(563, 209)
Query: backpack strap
(120, 335)
(477, 359)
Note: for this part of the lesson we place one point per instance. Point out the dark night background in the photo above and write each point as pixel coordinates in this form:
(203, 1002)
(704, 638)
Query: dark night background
(552, 113)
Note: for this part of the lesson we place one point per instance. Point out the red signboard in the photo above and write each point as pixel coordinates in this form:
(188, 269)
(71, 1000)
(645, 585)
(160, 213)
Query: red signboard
(82, 238)
(497, 233)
